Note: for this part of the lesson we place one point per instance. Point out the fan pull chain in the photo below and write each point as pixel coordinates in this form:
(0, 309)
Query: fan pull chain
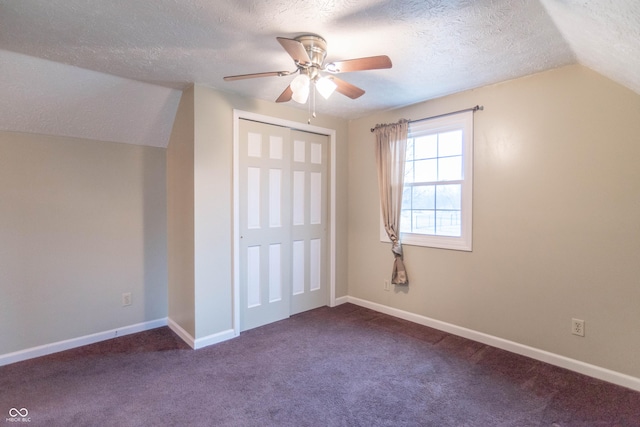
(309, 111)
(314, 101)
(312, 110)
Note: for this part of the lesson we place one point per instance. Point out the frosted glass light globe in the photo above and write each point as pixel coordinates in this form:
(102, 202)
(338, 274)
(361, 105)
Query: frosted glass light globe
(326, 86)
(300, 88)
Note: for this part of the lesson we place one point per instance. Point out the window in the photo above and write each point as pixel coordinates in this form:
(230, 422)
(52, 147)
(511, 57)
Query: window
(437, 196)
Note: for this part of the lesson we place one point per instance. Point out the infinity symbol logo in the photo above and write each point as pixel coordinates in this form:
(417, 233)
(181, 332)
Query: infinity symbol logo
(22, 412)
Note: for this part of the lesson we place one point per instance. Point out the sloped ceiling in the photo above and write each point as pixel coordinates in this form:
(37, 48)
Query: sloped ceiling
(604, 36)
(113, 70)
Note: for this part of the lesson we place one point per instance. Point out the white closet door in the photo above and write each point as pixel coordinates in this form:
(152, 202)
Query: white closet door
(283, 222)
(309, 221)
(265, 223)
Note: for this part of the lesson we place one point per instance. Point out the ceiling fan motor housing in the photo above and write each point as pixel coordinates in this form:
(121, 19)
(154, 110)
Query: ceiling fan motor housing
(316, 48)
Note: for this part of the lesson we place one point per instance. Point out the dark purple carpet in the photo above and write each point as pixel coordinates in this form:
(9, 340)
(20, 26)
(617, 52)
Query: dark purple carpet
(343, 366)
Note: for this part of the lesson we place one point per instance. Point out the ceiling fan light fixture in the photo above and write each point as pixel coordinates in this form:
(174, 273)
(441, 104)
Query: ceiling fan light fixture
(301, 96)
(300, 88)
(326, 86)
(308, 52)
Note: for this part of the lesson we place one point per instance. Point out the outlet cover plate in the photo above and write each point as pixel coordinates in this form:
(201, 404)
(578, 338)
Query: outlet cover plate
(577, 327)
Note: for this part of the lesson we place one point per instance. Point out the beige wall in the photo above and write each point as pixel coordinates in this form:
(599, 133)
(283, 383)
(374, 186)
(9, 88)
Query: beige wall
(81, 222)
(556, 231)
(211, 286)
(180, 222)
(556, 220)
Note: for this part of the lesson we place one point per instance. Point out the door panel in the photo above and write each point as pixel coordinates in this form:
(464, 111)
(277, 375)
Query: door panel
(310, 221)
(265, 233)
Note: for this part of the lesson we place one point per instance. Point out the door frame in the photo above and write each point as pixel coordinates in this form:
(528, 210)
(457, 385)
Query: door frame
(331, 133)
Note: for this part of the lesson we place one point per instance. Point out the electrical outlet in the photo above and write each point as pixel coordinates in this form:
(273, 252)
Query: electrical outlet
(577, 327)
(126, 299)
(386, 285)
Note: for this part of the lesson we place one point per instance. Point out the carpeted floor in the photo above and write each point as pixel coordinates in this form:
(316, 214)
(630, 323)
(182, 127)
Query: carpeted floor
(343, 366)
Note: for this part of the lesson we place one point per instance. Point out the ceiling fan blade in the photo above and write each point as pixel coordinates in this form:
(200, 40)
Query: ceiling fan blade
(360, 64)
(295, 49)
(286, 95)
(254, 75)
(347, 89)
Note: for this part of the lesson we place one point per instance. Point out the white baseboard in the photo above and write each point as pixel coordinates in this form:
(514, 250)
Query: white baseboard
(214, 338)
(340, 300)
(43, 350)
(514, 347)
(200, 342)
(184, 335)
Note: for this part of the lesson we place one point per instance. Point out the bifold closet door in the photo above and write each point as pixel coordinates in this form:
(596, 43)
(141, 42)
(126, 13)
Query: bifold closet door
(282, 221)
(309, 222)
(265, 223)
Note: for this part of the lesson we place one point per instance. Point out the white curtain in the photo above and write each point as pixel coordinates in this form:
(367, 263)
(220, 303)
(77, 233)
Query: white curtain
(391, 147)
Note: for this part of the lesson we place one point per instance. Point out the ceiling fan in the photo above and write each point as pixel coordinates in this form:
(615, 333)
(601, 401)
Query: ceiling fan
(309, 52)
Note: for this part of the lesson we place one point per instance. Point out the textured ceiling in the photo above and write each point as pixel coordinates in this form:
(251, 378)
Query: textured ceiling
(135, 56)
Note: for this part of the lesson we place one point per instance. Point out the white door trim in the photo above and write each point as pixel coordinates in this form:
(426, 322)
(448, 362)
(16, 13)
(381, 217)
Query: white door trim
(331, 133)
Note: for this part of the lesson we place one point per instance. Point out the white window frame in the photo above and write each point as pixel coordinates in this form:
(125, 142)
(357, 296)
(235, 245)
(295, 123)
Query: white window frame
(463, 121)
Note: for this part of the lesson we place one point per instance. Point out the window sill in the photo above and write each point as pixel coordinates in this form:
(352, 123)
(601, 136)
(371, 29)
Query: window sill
(438, 242)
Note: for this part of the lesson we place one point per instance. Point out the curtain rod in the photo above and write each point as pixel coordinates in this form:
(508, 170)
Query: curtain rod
(474, 109)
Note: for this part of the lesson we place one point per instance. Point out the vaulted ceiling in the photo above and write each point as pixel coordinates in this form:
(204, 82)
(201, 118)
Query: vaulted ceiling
(114, 70)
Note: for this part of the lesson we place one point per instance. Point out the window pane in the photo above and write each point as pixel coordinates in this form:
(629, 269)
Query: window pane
(448, 196)
(426, 147)
(425, 170)
(405, 221)
(409, 155)
(408, 172)
(424, 222)
(424, 197)
(450, 143)
(448, 223)
(406, 198)
(450, 168)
